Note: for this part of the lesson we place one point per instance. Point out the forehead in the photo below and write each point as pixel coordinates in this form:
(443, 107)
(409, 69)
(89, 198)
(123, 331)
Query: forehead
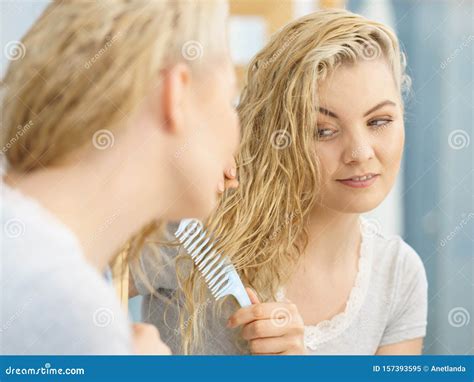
(359, 86)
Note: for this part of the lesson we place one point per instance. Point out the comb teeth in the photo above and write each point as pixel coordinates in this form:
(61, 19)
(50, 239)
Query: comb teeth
(218, 272)
(209, 263)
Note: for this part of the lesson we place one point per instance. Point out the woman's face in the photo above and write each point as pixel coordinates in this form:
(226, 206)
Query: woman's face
(361, 134)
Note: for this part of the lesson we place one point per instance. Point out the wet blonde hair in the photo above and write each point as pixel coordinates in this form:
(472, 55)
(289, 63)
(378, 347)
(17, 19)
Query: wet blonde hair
(261, 225)
(86, 65)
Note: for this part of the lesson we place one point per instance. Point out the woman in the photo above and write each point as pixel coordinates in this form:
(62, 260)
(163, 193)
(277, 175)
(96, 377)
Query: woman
(322, 141)
(118, 115)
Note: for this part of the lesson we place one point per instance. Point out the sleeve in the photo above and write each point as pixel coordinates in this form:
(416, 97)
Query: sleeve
(76, 313)
(409, 305)
(156, 268)
(96, 326)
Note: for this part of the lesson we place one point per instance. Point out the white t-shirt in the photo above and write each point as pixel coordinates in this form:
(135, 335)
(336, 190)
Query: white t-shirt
(387, 304)
(52, 300)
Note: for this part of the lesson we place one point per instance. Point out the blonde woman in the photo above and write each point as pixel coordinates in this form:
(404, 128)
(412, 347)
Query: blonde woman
(118, 114)
(322, 140)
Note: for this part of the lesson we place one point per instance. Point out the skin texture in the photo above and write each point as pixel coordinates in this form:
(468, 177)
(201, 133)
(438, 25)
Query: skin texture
(361, 139)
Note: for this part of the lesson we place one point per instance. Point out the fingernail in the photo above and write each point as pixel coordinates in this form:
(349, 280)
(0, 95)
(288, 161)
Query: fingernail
(233, 172)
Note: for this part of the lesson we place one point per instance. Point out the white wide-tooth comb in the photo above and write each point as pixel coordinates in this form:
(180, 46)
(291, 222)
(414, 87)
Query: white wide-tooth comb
(217, 270)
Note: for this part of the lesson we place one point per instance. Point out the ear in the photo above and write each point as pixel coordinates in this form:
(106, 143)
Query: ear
(175, 87)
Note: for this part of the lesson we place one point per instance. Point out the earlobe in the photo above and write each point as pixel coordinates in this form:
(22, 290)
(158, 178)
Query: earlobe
(175, 87)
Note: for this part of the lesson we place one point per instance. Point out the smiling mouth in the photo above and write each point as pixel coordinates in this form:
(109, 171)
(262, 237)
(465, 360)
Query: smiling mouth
(360, 178)
(360, 181)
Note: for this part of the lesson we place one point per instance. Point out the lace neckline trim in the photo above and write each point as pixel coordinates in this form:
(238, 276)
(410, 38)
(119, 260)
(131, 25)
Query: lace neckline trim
(315, 335)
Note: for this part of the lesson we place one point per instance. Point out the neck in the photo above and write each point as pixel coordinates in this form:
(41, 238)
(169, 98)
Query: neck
(333, 236)
(99, 208)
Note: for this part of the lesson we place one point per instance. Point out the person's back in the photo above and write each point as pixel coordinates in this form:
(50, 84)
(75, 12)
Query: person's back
(98, 136)
(53, 300)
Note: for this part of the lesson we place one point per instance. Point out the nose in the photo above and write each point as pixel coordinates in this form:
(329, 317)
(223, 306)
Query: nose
(358, 148)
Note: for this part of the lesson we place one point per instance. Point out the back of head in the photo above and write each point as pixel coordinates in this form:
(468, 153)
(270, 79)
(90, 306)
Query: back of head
(88, 64)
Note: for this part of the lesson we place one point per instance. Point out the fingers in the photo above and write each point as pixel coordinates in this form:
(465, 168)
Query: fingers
(230, 178)
(267, 346)
(252, 295)
(275, 345)
(146, 340)
(231, 184)
(262, 329)
(142, 329)
(231, 169)
(230, 172)
(271, 310)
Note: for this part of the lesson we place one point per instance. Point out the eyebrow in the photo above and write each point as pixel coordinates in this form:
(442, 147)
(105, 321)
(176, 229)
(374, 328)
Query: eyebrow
(376, 107)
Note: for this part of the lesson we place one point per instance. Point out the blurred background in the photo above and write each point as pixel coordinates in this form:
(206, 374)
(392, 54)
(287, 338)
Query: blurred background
(432, 204)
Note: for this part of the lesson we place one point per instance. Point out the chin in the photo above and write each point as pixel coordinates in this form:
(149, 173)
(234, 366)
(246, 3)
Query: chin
(356, 204)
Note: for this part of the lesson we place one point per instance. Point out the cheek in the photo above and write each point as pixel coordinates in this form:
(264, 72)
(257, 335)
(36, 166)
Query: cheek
(390, 148)
(328, 156)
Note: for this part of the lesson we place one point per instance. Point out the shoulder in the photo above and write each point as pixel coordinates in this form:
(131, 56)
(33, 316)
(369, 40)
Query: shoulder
(397, 269)
(62, 305)
(394, 257)
(94, 313)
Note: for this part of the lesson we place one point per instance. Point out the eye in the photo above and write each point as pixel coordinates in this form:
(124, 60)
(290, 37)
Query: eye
(325, 133)
(381, 122)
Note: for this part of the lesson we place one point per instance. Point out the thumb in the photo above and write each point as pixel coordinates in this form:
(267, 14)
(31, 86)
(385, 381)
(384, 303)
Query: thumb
(252, 295)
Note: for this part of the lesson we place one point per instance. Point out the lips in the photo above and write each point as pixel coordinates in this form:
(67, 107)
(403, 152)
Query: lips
(360, 178)
(360, 181)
